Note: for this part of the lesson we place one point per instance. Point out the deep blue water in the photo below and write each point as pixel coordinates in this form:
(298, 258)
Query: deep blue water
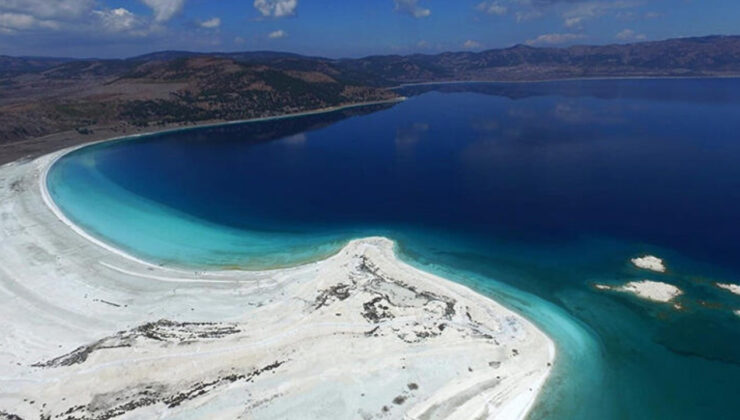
(529, 193)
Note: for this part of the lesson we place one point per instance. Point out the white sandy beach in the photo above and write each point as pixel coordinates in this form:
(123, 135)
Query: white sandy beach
(91, 333)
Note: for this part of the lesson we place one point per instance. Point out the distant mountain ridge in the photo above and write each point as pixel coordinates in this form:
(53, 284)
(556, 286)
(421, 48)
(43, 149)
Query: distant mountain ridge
(716, 55)
(705, 56)
(239, 56)
(10, 66)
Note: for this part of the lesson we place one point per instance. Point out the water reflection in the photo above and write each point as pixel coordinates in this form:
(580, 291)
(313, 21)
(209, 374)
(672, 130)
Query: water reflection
(670, 90)
(292, 129)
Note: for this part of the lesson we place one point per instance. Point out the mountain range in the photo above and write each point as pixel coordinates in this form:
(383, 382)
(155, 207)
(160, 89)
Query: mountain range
(44, 95)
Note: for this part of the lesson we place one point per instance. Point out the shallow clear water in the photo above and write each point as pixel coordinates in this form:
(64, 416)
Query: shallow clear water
(529, 193)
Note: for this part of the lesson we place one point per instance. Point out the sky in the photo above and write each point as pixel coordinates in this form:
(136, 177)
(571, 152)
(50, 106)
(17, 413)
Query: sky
(345, 28)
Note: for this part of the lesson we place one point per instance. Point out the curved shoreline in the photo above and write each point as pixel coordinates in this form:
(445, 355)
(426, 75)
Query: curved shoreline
(58, 154)
(52, 206)
(127, 271)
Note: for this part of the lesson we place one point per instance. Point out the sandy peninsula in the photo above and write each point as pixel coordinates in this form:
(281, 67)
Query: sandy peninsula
(89, 332)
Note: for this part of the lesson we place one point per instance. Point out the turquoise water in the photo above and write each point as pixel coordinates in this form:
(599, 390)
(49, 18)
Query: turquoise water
(528, 193)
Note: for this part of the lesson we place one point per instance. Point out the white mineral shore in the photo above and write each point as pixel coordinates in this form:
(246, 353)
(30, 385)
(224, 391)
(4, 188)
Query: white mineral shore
(91, 333)
(734, 288)
(649, 262)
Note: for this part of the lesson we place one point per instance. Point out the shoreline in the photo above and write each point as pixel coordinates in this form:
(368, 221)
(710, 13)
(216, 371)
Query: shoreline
(111, 266)
(563, 79)
(58, 154)
(78, 140)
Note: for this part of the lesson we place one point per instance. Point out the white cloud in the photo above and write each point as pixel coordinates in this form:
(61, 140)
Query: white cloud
(83, 27)
(574, 21)
(470, 44)
(277, 34)
(79, 16)
(164, 10)
(276, 8)
(211, 23)
(16, 21)
(552, 39)
(117, 20)
(11, 23)
(122, 21)
(74, 17)
(22, 15)
(582, 12)
(48, 9)
(412, 8)
(630, 35)
(492, 8)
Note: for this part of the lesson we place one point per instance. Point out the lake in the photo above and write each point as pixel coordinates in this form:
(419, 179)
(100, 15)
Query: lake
(529, 193)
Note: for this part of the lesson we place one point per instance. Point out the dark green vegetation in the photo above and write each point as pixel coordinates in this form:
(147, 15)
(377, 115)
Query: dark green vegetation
(40, 96)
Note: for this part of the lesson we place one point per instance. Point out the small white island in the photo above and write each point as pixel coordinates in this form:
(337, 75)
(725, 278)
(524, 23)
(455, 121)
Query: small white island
(655, 291)
(649, 262)
(652, 290)
(732, 288)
